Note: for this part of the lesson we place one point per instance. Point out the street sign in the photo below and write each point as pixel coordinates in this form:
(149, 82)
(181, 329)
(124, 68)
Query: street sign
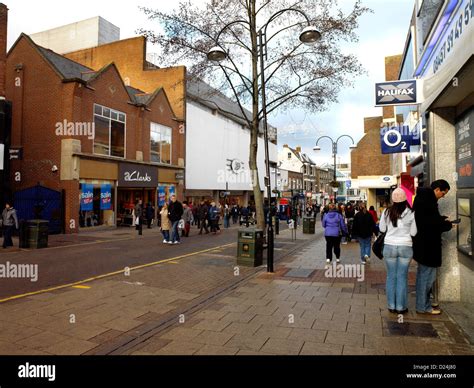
(16, 153)
(395, 93)
(393, 140)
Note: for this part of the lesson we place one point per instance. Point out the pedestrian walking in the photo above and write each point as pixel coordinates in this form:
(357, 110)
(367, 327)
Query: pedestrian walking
(350, 214)
(342, 211)
(175, 210)
(138, 211)
(165, 224)
(150, 214)
(398, 222)
(427, 243)
(373, 213)
(8, 222)
(213, 217)
(334, 228)
(187, 218)
(363, 228)
(226, 216)
(234, 214)
(203, 217)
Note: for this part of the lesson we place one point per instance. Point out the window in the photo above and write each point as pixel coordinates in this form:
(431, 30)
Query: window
(160, 143)
(109, 137)
(289, 155)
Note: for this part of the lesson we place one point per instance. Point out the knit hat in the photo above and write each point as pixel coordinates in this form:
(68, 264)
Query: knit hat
(399, 195)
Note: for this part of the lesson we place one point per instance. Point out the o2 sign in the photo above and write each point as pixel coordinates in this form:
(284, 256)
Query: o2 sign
(392, 141)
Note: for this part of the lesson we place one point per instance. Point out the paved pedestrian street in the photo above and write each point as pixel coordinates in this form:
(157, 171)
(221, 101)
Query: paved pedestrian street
(204, 304)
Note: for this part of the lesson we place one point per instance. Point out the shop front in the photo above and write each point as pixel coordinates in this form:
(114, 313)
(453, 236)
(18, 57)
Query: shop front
(97, 203)
(135, 182)
(446, 72)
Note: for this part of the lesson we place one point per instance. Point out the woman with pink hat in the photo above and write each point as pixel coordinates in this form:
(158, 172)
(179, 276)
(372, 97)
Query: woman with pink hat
(398, 222)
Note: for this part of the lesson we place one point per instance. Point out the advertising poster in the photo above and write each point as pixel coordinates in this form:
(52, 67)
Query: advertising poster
(105, 197)
(87, 197)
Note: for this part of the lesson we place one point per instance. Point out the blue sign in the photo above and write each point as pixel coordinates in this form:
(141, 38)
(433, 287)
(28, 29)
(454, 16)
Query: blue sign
(395, 140)
(105, 197)
(87, 197)
(348, 184)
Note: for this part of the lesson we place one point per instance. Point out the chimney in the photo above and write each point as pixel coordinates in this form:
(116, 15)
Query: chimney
(285, 145)
(3, 48)
(298, 149)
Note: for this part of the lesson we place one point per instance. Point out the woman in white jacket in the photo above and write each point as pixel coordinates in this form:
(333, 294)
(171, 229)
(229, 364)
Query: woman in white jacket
(398, 221)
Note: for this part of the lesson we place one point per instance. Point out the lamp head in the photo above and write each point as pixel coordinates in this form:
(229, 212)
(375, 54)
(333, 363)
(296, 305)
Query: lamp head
(310, 35)
(353, 146)
(317, 148)
(216, 54)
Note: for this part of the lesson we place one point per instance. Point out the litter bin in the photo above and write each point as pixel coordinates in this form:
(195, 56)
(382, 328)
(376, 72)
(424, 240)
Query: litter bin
(309, 225)
(37, 233)
(250, 247)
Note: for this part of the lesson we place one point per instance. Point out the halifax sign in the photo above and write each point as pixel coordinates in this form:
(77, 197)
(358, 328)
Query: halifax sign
(395, 93)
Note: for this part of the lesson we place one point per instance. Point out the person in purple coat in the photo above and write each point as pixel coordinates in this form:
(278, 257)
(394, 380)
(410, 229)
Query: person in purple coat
(334, 228)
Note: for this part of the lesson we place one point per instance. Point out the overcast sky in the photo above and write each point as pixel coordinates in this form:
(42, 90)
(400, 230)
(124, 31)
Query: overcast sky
(381, 33)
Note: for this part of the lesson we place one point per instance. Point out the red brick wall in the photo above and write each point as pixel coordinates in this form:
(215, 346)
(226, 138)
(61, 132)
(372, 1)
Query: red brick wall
(367, 158)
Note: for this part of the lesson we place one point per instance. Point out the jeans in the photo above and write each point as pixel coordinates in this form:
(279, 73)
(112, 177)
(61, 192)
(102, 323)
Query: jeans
(365, 245)
(7, 236)
(333, 243)
(174, 231)
(425, 277)
(397, 261)
(226, 222)
(166, 234)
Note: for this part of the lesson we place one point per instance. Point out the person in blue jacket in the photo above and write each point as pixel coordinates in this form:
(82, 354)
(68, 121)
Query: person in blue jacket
(334, 228)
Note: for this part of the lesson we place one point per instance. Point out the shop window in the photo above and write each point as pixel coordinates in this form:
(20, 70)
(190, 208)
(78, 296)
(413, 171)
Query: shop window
(110, 129)
(160, 143)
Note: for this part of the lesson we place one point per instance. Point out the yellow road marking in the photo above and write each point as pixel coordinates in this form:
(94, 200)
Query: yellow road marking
(112, 274)
(81, 287)
(172, 262)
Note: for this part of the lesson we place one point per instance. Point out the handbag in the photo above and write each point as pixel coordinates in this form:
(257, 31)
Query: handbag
(377, 247)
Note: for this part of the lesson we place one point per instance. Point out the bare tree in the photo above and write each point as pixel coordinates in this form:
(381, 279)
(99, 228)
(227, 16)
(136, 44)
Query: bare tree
(297, 75)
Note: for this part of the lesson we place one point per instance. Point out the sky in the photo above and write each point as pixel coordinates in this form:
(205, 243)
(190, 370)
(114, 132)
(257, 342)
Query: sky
(381, 33)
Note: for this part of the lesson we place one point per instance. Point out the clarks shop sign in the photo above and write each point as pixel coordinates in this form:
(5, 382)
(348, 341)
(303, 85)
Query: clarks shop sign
(395, 93)
(136, 175)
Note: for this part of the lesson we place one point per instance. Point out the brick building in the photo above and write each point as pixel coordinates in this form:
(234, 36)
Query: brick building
(135, 144)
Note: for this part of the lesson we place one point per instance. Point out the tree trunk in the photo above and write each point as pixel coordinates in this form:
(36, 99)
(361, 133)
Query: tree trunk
(257, 192)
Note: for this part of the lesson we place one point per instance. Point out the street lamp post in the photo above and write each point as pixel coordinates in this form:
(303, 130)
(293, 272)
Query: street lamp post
(309, 35)
(334, 154)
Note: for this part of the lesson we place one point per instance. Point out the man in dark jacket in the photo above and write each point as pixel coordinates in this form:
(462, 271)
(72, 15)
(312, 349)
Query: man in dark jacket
(363, 228)
(8, 222)
(175, 212)
(427, 242)
(202, 214)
